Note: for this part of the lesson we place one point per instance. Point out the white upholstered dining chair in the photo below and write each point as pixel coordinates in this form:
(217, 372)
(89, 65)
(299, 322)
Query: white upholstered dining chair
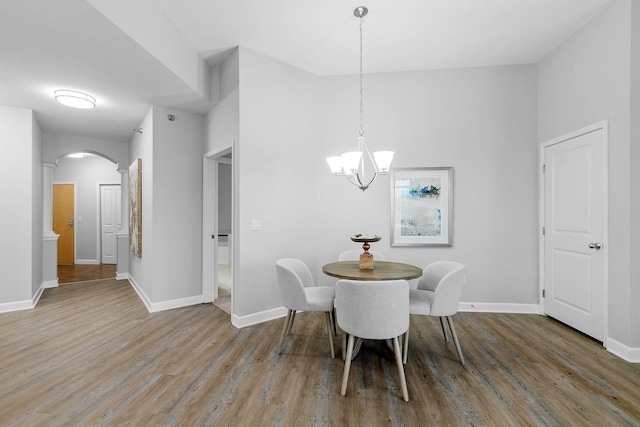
(376, 310)
(438, 294)
(299, 293)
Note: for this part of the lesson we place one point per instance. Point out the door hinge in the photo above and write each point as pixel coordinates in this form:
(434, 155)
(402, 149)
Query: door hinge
(544, 168)
(543, 293)
(543, 231)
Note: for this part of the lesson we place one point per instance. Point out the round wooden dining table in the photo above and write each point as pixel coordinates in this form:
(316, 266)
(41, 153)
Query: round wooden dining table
(382, 270)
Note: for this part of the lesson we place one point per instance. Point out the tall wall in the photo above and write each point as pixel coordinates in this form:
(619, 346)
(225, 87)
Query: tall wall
(586, 80)
(87, 173)
(168, 274)
(222, 122)
(277, 155)
(140, 267)
(177, 205)
(481, 122)
(37, 231)
(21, 180)
(634, 300)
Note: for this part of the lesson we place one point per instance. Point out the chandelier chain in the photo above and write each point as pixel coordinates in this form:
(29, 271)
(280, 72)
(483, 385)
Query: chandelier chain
(361, 91)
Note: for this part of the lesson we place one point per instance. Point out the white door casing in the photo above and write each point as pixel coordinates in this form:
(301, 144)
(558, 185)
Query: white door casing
(110, 221)
(574, 241)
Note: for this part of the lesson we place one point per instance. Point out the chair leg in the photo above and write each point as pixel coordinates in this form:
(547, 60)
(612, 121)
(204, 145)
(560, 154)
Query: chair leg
(284, 330)
(347, 366)
(405, 345)
(403, 380)
(293, 317)
(330, 333)
(455, 339)
(333, 321)
(344, 345)
(444, 331)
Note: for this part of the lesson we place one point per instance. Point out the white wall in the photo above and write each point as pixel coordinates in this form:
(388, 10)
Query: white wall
(276, 178)
(140, 267)
(222, 122)
(58, 145)
(21, 181)
(584, 81)
(634, 300)
(37, 231)
(177, 205)
(480, 121)
(169, 272)
(87, 173)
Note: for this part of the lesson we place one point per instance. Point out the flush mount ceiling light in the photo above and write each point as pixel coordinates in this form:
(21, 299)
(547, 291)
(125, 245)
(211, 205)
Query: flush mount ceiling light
(75, 99)
(351, 164)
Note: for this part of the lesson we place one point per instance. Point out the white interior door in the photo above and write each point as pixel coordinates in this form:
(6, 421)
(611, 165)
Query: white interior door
(111, 221)
(574, 230)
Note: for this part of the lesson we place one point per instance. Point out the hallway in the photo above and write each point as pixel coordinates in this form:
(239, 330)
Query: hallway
(82, 273)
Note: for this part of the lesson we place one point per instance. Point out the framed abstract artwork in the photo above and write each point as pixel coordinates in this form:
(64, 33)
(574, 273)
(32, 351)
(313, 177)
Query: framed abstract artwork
(135, 207)
(421, 206)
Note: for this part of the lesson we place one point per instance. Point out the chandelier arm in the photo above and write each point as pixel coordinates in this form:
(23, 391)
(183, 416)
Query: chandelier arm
(373, 162)
(375, 175)
(358, 183)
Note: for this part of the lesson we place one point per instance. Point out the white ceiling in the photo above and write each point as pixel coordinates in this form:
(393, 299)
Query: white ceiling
(68, 44)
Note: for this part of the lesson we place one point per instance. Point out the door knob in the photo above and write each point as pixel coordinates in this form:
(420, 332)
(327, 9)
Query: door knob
(597, 246)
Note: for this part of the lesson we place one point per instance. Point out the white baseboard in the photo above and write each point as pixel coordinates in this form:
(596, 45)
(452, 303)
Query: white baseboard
(50, 284)
(122, 276)
(16, 306)
(87, 261)
(26, 304)
(491, 307)
(153, 307)
(140, 292)
(260, 317)
(176, 303)
(630, 354)
(38, 294)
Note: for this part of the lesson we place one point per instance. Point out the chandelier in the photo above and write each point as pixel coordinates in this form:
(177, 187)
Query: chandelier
(352, 164)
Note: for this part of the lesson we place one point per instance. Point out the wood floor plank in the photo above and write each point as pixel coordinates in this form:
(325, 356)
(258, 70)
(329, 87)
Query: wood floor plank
(91, 354)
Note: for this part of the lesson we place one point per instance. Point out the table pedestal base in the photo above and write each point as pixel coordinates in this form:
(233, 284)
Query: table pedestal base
(366, 261)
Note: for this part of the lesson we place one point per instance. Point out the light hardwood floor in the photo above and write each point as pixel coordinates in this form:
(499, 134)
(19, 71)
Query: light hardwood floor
(91, 354)
(71, 273)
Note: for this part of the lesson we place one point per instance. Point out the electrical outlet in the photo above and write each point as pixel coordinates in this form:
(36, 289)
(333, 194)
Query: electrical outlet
(256, 225)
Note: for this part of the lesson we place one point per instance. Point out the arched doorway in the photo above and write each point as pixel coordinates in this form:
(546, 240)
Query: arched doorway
(91, 206)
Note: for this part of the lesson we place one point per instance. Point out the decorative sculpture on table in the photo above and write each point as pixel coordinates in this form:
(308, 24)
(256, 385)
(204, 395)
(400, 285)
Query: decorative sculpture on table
(366, 259)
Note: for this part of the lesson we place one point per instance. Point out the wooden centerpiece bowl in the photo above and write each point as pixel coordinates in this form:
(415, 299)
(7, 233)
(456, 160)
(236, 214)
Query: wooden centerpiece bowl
(366, 259)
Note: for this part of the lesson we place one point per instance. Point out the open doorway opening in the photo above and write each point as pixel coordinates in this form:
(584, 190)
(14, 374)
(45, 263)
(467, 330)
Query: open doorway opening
(218, 227)
(86, 198)
(224, 236)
